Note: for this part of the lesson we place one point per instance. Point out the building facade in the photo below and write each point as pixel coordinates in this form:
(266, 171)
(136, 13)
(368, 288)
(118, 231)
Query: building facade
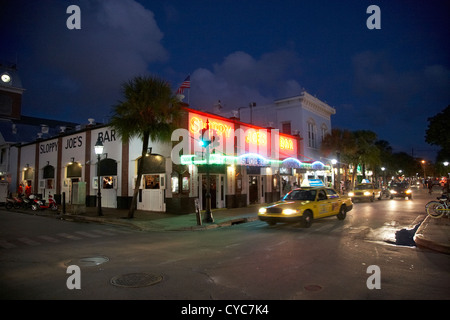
(246, 163)
(304, 115)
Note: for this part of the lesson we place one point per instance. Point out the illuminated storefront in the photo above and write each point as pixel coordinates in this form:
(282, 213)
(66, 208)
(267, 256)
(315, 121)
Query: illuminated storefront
(247, 164)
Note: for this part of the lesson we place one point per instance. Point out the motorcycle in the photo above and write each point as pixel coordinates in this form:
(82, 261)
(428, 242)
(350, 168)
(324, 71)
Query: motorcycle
(18, 202)
(39, 204)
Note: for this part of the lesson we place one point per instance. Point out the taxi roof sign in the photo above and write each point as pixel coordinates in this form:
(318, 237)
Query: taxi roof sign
(312, 183)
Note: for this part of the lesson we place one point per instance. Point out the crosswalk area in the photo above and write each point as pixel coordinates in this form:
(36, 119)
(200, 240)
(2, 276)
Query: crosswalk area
(61, 237)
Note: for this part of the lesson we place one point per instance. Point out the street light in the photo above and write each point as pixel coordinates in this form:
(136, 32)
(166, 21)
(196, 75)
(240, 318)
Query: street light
(98, 151)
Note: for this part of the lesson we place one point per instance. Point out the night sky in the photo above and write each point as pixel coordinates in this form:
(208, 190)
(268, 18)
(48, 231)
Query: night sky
(387, 80)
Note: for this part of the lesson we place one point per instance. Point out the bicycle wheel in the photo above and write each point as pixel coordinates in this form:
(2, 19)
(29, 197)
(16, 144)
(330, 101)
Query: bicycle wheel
(435, 209)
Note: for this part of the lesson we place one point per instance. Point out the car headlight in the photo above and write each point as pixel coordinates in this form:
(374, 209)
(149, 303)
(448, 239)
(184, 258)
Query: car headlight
(289, 211)
(408, 191)
(367, 193)
(262, 210)
(351, 194)
(393, 191)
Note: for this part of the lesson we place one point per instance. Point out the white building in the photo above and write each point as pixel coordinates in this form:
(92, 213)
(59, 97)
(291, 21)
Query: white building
(303, 115)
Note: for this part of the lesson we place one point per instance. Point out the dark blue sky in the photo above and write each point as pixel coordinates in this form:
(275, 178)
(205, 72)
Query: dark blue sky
(388, 81)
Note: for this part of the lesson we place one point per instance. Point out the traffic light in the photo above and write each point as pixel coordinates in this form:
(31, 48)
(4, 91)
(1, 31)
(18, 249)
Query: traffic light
(204, 138)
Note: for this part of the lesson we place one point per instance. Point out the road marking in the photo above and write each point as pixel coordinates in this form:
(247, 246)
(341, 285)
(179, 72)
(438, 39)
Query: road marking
(69, 236)
(28, 241)
(86, 234)
(49, 239)
(118, 230)
(103, 232)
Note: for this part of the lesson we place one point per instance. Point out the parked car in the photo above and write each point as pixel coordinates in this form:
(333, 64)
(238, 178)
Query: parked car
(306, 204)
(365, 191)
(400, 190)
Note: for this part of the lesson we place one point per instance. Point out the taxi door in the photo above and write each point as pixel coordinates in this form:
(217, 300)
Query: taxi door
(335, 201)
(324, 204)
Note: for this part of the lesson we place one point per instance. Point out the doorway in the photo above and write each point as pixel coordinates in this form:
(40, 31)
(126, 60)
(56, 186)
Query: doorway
(253, 186)
(213, 190)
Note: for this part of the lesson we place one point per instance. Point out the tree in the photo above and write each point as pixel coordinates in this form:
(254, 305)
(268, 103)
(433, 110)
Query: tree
(367, 152)
(150, 112)
(438, 133)
(341, 143)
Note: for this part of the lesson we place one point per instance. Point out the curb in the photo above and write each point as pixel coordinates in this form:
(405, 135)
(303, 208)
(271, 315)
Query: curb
(226, 223)
(424, 243)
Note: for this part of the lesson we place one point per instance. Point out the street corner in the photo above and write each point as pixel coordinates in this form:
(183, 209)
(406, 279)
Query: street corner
(434, 234)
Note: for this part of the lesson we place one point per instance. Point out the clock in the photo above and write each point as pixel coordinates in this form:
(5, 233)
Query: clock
(6, 77)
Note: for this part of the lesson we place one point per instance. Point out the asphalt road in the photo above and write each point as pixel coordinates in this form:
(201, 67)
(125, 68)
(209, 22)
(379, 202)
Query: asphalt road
(354, 259)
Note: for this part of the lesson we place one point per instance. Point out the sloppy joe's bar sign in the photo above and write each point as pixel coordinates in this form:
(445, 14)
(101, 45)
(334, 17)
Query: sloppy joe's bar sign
(243, 140)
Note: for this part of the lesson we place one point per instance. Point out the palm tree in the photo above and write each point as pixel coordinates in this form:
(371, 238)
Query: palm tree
(149, 112)
(341, 143)
(367, 152)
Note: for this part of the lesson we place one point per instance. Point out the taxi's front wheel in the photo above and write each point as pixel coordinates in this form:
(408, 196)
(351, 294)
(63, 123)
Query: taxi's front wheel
(342, 213)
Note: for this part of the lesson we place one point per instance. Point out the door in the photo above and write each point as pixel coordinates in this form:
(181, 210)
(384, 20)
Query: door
(253, 186)
(213, 190)
(109, 191)
(151, 195)
(324, 204)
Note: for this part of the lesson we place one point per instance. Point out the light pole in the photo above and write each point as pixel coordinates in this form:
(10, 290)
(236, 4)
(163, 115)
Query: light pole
(333, 163)
(98, 151)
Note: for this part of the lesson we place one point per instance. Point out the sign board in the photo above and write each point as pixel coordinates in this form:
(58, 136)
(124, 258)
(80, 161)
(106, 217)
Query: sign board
(312, 183)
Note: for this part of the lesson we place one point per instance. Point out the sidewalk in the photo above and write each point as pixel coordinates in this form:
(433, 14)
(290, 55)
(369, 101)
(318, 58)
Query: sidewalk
(160, 221)
(432, 233)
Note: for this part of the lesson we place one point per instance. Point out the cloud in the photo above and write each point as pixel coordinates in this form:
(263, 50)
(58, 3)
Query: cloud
(390, 90)
(118, 40)
(241, 78)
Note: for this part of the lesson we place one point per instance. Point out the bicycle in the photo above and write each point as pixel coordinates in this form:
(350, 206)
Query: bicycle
(436, 209)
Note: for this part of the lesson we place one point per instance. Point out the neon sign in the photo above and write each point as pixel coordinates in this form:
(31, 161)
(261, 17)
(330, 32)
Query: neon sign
(196, 125)
(286, 144)
(259, 138)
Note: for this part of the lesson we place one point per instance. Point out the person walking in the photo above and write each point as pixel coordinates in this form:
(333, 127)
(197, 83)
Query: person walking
(430, 186)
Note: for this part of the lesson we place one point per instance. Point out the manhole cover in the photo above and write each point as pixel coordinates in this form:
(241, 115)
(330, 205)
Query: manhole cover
(89, 261)
(135, 280)
(313, 287)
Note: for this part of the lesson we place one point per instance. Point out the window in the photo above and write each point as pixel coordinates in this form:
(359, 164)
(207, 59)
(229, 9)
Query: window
(312, 134)
(324, 131)
(175, 182)
(286, 127)
(108, 182)
(151, 181)
(332, 194)
(185, 182)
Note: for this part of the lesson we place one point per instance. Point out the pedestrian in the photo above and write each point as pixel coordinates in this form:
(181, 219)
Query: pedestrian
(430, 186)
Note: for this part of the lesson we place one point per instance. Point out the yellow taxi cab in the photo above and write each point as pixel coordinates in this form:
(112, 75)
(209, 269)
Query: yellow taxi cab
(306, 204)
(365, 191)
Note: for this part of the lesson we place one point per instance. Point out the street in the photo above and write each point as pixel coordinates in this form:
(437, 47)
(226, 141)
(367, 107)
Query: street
(357, 258)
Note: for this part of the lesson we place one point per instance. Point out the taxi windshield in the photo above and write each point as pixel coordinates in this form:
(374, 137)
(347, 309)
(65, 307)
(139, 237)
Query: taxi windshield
(363, 186)
(301, 195)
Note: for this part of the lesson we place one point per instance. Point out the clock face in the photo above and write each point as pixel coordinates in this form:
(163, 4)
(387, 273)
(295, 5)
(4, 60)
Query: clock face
(6, 78)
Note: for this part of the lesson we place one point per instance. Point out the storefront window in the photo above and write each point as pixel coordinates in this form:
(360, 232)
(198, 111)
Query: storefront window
(108, 183)
(151, 181)
(175, 183)
(185, 183)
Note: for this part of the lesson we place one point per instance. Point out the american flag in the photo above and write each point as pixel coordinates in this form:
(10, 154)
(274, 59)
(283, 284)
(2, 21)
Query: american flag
(186, 84)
